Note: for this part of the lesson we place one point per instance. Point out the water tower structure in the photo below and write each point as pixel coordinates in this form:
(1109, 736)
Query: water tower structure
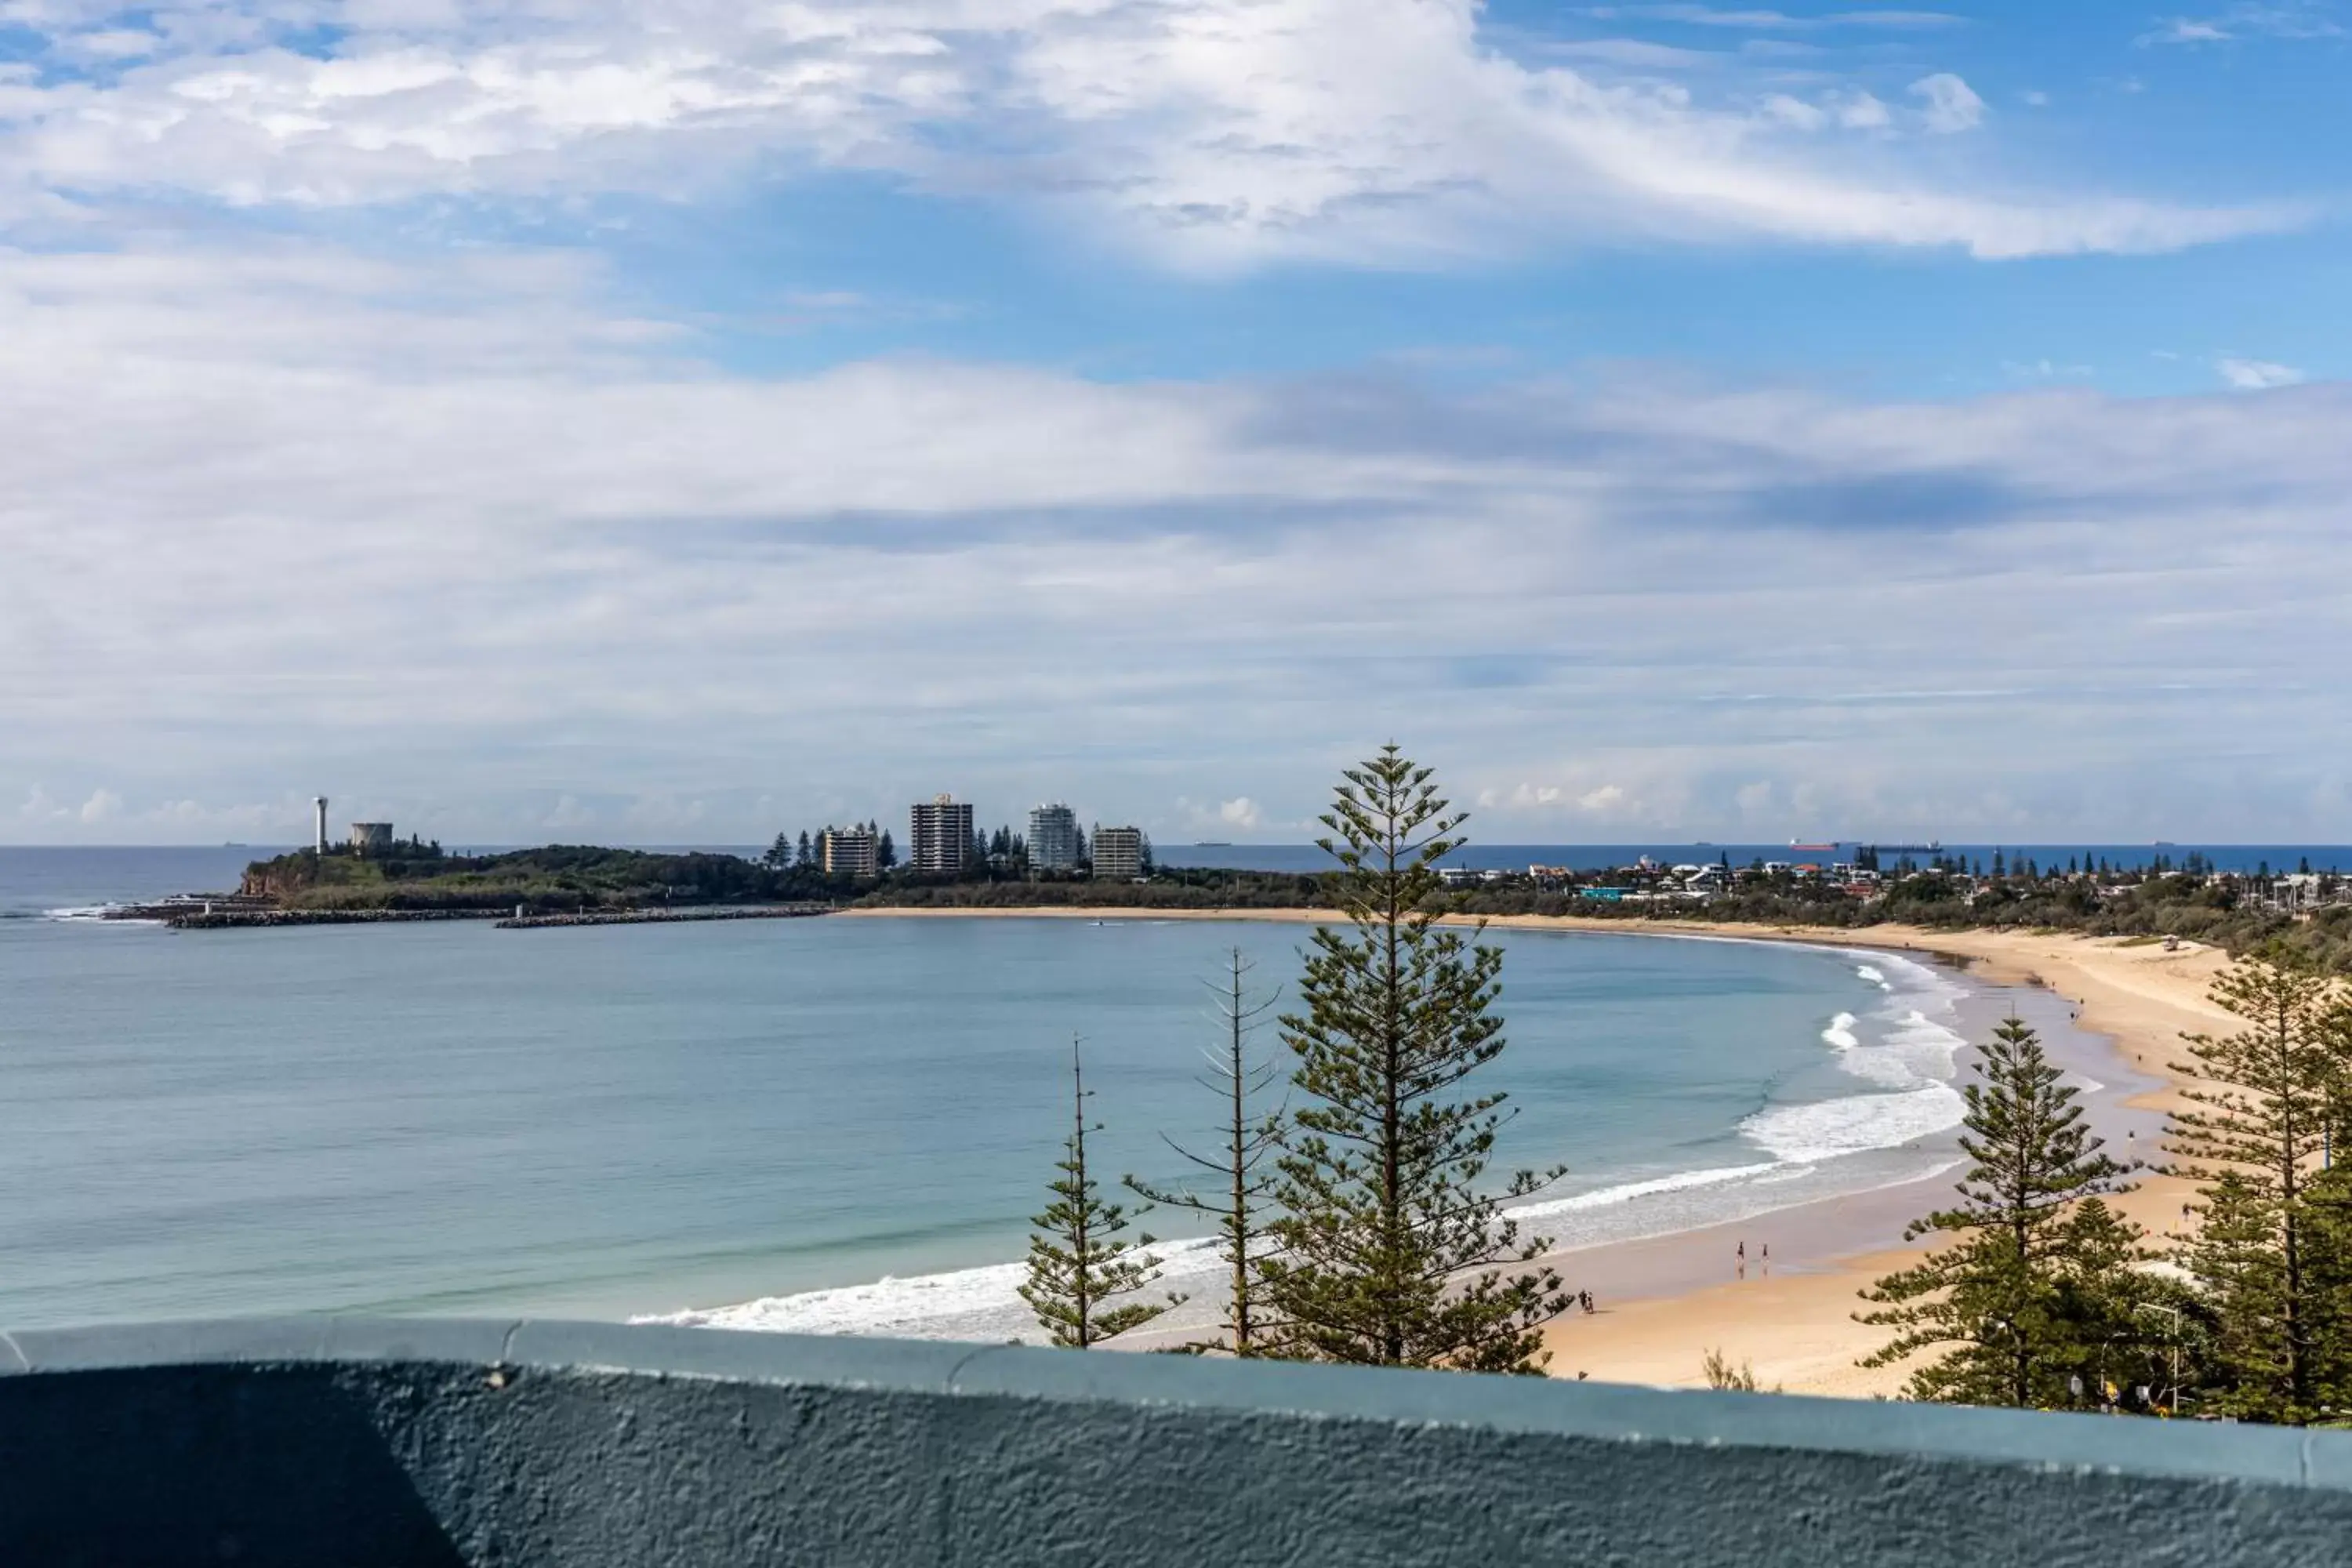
(321, 802)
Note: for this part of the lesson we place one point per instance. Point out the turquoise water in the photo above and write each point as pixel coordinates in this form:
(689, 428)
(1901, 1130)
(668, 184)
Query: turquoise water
(751, 1116)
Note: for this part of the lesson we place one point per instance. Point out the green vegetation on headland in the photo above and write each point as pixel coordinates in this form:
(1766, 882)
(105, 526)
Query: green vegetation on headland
(558, 877)
(2308, 914)
(565, 877)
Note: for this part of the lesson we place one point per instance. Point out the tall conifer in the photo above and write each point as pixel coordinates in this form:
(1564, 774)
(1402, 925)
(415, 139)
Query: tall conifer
(1078, 1261)
(1391, 1250)
(1239, 1201)
(2251, 1139)
(1998, 1297)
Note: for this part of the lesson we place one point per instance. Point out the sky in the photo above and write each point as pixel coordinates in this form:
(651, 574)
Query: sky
(670, 421)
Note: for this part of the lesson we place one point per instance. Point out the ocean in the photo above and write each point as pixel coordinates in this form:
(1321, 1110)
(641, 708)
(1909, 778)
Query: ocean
(833, 1125)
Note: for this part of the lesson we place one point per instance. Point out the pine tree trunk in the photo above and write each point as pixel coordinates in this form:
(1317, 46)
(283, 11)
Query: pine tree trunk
(1391, 1113)
(1078, 1157)
(1237, 1225)
(2298, 1369)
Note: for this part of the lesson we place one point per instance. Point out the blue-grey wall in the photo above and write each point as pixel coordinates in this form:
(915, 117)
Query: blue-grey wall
(353, 1443)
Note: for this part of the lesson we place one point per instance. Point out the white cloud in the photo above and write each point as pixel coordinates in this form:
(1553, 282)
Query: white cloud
(456, 541)
(661, 814)
(2181, 30)
(1242, 813)
(1795, 111)
(568, 813)
(104, 806)
(110, 44)
(1952, 105)
(1546, 801)
(1860, 111)
(2292, 19)
(1205, 133)
(2046, 370)
(2257, 375)
(1756, 17)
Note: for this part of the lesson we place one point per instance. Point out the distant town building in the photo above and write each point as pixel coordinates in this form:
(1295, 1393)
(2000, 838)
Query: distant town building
(847, 852)
(371, 837)
(1119, 853)
(940, 838)
(1053, 838)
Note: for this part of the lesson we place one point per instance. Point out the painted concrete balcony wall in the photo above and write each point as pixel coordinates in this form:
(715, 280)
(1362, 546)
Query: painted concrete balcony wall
(439, 1443)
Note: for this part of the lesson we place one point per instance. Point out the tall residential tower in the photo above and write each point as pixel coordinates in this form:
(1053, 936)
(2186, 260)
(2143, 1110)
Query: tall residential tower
(847, 852)
(940, 839)
(1053, 838)
(1119, 853)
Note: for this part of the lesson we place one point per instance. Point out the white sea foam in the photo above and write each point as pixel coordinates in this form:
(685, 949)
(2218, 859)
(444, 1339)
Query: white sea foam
(1855, 1125)
(982, 1303)
(905, 1308)
(1908, 1057)
(1605, 1197)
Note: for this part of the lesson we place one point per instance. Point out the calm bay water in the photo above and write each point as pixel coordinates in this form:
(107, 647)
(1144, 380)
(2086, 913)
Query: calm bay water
(836, 1123)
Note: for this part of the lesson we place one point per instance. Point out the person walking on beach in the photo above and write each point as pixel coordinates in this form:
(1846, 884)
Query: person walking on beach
(1739, 1260)
(1764, 1259)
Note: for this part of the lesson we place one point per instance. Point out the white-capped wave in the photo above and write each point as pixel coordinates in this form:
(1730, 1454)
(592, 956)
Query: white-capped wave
(919, 1308)
(982, 1303)
(1855, 1124)
(1905, 1055)
(1603, 1198)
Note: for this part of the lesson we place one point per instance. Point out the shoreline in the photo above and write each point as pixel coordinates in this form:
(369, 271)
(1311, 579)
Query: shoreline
(1666, 1300)
(1797, 1328)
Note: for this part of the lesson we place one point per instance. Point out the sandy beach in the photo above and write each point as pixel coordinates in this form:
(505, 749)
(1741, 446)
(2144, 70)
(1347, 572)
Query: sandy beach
(1664, 1303)
(1795, 1327)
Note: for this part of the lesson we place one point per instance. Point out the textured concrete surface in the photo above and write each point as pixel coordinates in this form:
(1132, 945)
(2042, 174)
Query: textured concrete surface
(354, 1443)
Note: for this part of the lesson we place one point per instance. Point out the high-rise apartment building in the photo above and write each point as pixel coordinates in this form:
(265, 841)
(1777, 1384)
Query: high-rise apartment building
(1119, 853)
(1053, 838)
(847, 852)
(941, 835)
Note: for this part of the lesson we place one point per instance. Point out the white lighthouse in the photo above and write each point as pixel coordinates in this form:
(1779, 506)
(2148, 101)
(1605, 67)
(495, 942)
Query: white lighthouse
(321, 802)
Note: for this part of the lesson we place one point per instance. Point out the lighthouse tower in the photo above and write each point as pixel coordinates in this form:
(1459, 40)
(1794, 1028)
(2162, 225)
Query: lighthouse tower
(321, 802)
